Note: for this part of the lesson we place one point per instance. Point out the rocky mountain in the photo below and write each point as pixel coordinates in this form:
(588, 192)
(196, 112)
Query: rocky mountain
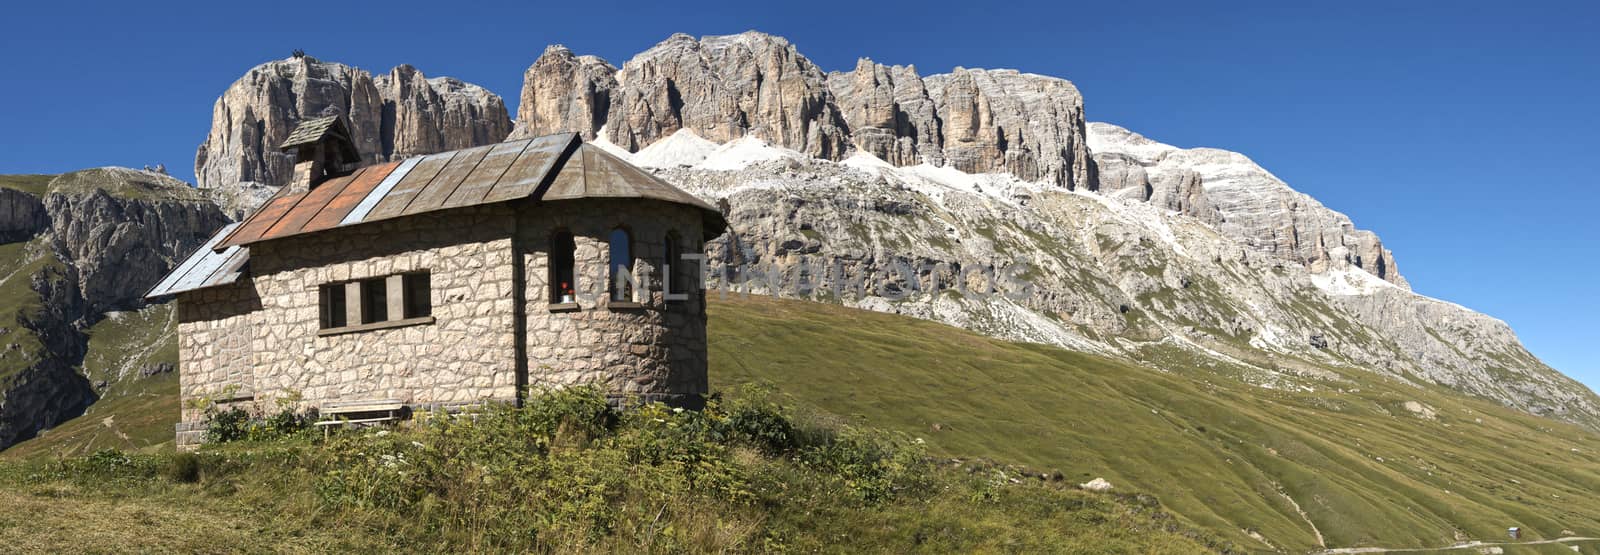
(394, 115)
(1132, 245)
(79, 246)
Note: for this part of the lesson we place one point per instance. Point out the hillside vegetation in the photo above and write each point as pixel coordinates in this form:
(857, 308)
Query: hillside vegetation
(565, 473)
(1335, 458)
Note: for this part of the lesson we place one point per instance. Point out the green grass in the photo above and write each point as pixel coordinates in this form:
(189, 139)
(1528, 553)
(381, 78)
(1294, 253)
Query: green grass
(20, 347)
(1222, 455)
(124, 183)
(565, 474)
(133, 413)
(33, 184)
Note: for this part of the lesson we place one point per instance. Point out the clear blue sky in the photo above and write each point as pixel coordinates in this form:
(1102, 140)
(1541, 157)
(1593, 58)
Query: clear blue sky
(1465, 134)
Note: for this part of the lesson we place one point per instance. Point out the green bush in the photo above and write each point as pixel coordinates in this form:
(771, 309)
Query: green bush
(237, 424)
(567, 469)
(183, 468)
(567, 473)
(225, 425)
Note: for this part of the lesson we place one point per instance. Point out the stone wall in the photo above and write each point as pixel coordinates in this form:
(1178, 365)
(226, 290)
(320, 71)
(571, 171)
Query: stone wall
(466, 354)
(215, 336)
(656, 350)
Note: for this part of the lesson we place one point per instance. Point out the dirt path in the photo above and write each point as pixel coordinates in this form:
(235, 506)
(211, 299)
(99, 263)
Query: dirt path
(1467, 545)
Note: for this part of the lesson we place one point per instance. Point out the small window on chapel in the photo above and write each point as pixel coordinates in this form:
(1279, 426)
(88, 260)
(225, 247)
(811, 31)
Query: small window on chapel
(331, 298)
(563, 286)
(677, 280)
(620, 276)
(417, 302)
(375, 303)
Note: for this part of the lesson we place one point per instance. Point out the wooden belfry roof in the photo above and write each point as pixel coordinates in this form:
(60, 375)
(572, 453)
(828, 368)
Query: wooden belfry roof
(549, 168)
(330, 129)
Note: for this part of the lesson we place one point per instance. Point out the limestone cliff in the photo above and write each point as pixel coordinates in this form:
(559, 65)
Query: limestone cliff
(21, 216)
(565, 92)
(398, 114)
(724, 88)
(974, 120)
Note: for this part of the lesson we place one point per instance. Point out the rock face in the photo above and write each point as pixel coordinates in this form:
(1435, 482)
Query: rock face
(723, 88)
(396, 115)
(1255, 207)
(423, 116)
(21, 216)
(565, 92)
(889, 113)
(726, 87)
(1029, 126)
(121, 245)
(107, 235)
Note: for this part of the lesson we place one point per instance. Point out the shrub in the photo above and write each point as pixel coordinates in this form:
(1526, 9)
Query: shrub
(225, 425)
(236, 424)
(754, 419)
(182, 468)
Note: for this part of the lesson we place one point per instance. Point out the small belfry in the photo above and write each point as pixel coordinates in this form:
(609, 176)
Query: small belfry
(443, 281)
(322, 149)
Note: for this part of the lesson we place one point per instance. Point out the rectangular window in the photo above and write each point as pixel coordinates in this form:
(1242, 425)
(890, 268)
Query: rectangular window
(417, 297)
(374, 301)
(331, 298)
(383, 302)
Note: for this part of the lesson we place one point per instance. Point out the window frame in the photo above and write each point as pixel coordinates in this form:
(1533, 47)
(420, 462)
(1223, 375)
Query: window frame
(562, 259)
(624, 297)
(335, 295)
(674, 287)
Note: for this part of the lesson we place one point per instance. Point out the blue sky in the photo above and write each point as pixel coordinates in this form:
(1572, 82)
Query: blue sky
(1464, 134)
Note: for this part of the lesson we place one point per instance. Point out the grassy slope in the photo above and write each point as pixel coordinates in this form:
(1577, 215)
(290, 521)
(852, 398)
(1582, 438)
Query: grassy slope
(124, 183)
(565, 474)
(133, 413)
(33, 184)
(19, 346)
(1223, 455)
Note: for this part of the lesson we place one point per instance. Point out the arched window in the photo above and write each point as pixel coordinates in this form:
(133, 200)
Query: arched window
(672, 272)
(563, 280)
(620, 276)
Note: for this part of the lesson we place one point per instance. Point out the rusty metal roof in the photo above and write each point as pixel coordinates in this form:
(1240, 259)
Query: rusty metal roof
(549, 168)
(205, 268)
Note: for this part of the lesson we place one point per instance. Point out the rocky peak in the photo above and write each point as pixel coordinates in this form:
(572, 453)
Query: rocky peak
(122, 229)
(398, 114)
(724, 88)
(889, 113)
(1251, 205)
(423, 116)
(565, 92)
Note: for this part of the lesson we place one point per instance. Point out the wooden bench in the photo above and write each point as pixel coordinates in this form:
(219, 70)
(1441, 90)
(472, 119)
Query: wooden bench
(362, 412)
